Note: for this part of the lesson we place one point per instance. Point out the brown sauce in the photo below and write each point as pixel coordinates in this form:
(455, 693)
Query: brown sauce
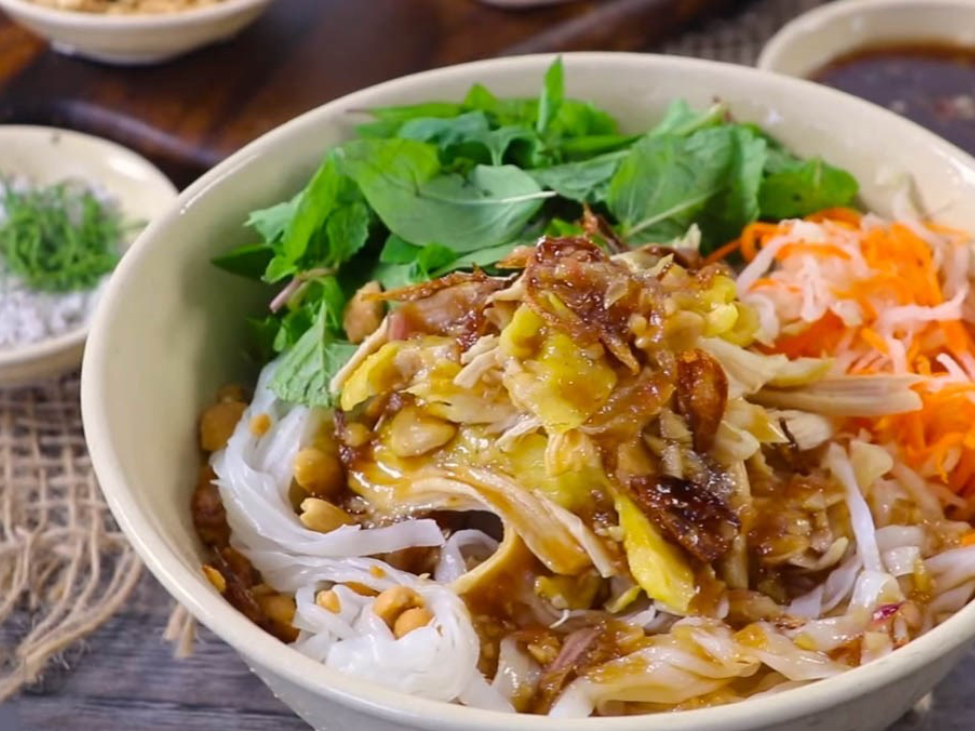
(932, 84)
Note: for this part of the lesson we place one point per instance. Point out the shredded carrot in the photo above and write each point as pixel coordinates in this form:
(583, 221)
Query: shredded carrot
(968, 539)
(723, 252)
(815, 249)
(837, 215)
(901, 270)
(871, 338)
(753, 233)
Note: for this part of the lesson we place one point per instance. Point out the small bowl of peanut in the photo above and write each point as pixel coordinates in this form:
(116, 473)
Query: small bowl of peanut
(133, 32)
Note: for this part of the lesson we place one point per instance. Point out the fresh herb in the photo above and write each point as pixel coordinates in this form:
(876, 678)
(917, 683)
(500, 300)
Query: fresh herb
(303, 374)
(58, 238)
(433, 187)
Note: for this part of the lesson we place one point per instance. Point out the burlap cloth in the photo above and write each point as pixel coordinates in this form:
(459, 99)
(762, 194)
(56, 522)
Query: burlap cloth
(64, 566)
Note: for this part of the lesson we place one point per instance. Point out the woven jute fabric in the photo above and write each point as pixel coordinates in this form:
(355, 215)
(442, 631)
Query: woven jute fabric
(64, 566)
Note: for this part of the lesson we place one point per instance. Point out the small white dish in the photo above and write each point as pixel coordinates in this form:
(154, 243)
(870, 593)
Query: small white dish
(808, 43)
(137, 39)
(46, 155)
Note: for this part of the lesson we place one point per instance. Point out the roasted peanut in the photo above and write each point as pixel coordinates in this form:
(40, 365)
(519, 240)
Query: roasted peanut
(218, 423)
(231, 392)
(412, 432)
(318, 472)
(215, 578)
(323, 516)
(391, 603)
(260, 424)
(363, 314)
(410, 620)
(329, 600)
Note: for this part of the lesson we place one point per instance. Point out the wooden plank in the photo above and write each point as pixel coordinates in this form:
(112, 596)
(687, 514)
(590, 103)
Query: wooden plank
(189, 114)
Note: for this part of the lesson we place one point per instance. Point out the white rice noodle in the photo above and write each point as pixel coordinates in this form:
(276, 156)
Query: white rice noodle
(840, 582)
(901, 561)
(860, 518)
(873, 589)
(919, 490)
(254, 474)
(809, 605)
(453, 563)
(518, 673)
(437, 661)
(781, 654)
(898, 536)
(644, 618)
(952, 568)
(481, 694)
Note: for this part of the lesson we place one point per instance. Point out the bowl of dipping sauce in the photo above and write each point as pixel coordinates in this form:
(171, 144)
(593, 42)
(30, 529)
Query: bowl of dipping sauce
(914, 57)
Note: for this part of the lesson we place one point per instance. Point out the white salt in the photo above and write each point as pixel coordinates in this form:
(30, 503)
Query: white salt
(28, 317)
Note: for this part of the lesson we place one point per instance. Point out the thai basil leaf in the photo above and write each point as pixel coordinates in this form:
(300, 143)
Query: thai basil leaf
(249, 261)
(668, 182)
(798, 188)
(303, 375)
(402, 182)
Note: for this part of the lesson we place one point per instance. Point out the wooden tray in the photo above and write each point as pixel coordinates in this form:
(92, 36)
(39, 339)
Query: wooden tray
(189, 114)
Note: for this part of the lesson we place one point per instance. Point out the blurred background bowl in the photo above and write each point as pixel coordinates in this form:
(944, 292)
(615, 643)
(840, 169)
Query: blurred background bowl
(45, 156)
(807, 44)
(135, 39)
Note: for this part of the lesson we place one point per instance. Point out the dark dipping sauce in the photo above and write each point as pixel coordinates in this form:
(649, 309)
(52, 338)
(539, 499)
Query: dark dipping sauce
(929, 83)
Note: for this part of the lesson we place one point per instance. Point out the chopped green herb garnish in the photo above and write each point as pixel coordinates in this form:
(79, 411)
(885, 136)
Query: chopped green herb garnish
(59, 238)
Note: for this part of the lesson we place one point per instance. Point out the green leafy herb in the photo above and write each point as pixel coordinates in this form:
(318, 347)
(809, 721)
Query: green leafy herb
(249, 261)
(586, 181)
(668, 182)
(433, 187)
(403, 183)
(58, 238)
(553, 94)
(795, 188)
(304, 372)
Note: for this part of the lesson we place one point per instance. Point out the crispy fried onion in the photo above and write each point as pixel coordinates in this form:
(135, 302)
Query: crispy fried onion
(453, 305)
(702, 395)
(575, 287)
(691, 514)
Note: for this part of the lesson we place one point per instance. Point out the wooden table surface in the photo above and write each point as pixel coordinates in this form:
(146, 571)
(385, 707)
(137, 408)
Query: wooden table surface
(189, 114)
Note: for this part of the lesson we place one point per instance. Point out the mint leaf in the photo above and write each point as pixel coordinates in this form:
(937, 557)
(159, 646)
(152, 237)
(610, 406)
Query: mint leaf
(586, 181)
(553, 94)
(668, 182)
(800, 187)
(403, 183)
(249, 261)
(304, 372)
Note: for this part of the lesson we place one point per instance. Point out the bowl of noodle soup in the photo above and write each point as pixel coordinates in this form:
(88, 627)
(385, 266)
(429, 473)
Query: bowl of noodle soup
(169, 333)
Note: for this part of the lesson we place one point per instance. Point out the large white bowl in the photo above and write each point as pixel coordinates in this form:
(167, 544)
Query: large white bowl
(137, 39)
(170, 330)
